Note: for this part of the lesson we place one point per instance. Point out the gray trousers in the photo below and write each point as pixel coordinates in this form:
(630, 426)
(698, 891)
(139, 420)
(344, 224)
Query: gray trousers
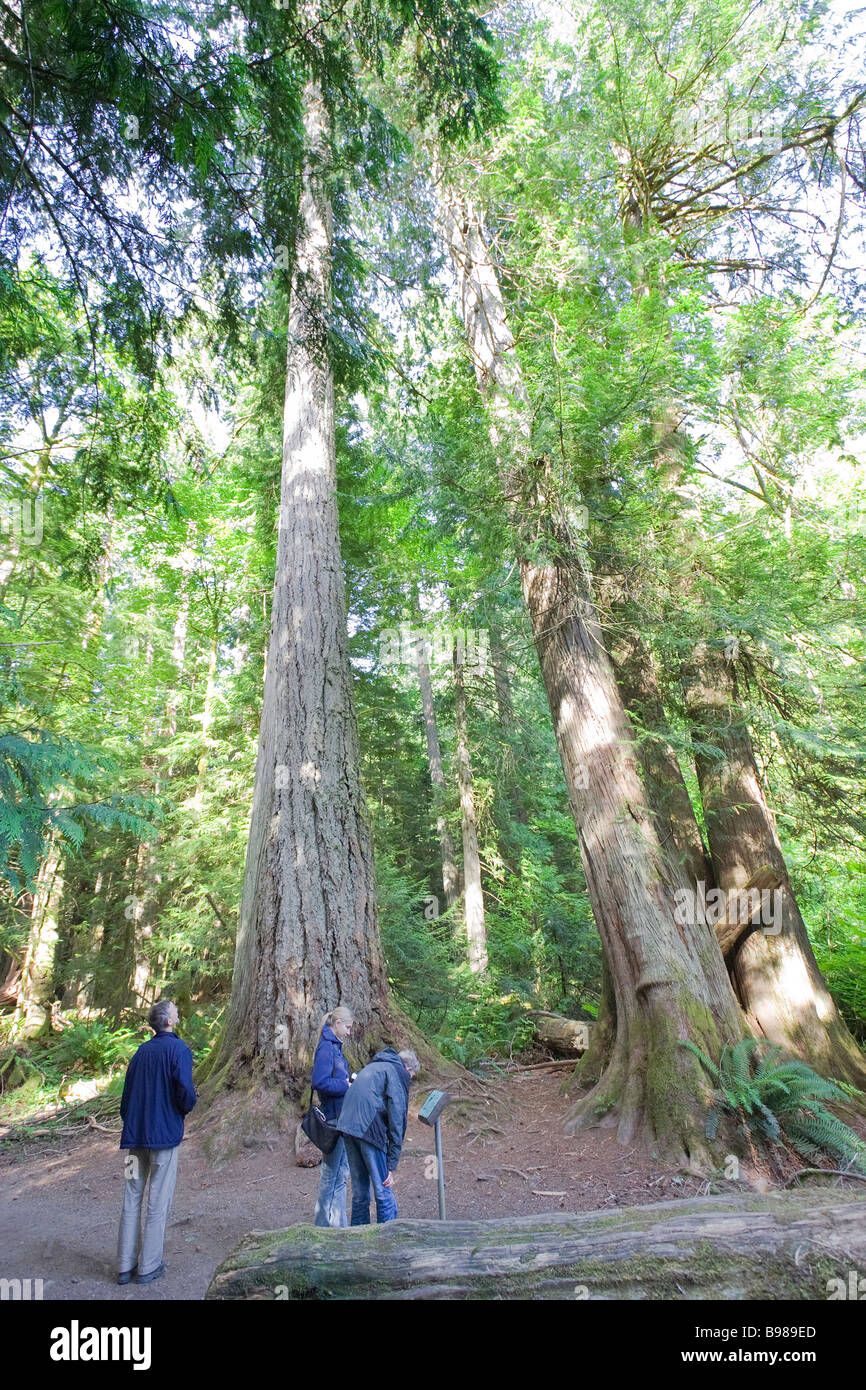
(134, 1247)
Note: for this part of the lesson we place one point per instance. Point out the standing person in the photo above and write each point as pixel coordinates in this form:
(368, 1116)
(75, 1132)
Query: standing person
(157, 1093)
(373, 1124)
(331, 1079)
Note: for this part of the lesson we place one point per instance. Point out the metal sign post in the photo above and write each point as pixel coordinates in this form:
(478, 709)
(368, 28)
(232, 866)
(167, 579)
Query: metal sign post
(431, 1114)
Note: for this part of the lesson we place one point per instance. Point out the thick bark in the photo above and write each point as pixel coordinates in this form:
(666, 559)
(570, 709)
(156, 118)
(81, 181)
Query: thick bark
(775, 972)
(776, 977)
(668, 794)
(669, 979)
(473, 897)
(308, 935)
(739, 1247)
(450, 880)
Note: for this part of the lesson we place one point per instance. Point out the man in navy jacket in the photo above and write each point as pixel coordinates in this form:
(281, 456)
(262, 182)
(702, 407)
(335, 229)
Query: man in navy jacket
(158, 1092)
(373, 1124)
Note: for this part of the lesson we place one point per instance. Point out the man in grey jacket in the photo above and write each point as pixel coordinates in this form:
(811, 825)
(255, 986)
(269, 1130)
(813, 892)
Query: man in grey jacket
(373, 1124)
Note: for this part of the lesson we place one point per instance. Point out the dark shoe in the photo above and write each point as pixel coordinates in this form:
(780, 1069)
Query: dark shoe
(127, 1276)
(149, 1278)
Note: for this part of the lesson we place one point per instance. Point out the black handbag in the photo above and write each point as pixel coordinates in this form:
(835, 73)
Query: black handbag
(318, 1131)
(316, 1127)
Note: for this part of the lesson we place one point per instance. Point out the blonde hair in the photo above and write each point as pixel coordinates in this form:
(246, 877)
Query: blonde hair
(339, 1015)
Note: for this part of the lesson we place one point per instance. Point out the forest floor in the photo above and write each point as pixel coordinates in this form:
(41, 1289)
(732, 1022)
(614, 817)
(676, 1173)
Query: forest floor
(505, 1154)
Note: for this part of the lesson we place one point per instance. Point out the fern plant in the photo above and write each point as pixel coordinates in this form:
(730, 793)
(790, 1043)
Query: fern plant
(97, 1046)
(778, 1098)
(36, 768)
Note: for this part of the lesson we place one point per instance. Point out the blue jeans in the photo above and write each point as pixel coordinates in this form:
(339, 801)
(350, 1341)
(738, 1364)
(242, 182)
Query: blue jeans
(331, 1201)
(368, 1166)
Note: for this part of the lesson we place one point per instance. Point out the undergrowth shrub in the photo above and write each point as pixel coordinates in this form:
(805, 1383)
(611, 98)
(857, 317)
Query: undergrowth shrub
(779, 1100)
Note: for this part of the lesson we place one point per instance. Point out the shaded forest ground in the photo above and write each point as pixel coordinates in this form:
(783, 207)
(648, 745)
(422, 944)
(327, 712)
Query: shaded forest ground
(505, 1155)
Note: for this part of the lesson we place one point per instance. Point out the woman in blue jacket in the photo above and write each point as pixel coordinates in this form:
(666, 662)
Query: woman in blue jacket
(331, 1080)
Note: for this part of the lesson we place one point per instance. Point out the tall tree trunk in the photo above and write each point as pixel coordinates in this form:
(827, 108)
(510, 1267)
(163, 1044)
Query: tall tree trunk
(668, 978)
(308, 934)
(113, 975)
(666, 789)
(776, 977)
(774, 969)
(36, 990)
(473, 898)
(450, 881)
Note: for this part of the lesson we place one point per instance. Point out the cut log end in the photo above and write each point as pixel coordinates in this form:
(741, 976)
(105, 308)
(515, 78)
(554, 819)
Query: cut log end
(565, 1037)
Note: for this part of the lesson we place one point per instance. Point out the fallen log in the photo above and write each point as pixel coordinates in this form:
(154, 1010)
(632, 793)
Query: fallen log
(569, 1036)
(778, 1246)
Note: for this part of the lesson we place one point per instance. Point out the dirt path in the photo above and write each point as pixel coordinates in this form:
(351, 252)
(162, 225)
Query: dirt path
(60, 1203)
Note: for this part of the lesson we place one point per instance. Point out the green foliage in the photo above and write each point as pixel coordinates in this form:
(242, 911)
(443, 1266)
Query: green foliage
(142, 371)
(34, 767)
(482, 1026)
(93, 1048)
(778, 1098)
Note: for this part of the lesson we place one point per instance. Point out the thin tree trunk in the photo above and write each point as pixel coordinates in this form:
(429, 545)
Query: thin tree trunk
(206, 721)
(473, 898)
(36, 990)
(450, 881)
(78, 990)
(144, 905)
(507, 721)
(775, 972)
(308, 934)
(178, 641)
(669, 979)
(42, 961)
(142, 928)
